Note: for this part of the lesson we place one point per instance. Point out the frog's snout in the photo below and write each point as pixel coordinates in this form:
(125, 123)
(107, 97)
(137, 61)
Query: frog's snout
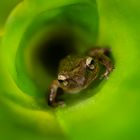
(80, 80)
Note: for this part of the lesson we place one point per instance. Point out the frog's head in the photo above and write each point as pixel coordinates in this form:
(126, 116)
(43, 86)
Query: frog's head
(78, 76)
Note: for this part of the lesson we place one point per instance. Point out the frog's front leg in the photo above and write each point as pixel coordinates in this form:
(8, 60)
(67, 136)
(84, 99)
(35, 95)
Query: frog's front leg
(106, 61)
(53, 94)
(101, 54)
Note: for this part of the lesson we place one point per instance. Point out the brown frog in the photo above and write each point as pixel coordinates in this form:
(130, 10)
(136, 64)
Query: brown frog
(75, 73)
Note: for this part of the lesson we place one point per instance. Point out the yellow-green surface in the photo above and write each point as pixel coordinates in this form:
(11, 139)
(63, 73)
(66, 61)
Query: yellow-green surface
(113, 113)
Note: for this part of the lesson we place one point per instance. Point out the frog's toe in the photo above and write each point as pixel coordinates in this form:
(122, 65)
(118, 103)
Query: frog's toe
(105, 75)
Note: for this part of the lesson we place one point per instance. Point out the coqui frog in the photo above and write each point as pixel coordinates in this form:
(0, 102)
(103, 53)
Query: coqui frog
(76, 73)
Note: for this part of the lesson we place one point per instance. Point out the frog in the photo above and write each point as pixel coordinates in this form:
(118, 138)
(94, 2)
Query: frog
(77, 72)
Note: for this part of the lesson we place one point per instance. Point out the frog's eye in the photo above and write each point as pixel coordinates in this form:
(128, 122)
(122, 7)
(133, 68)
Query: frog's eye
(90, 63)
(62, 79)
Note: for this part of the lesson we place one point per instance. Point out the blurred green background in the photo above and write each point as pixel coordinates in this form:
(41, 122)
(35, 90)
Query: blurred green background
(112, 113)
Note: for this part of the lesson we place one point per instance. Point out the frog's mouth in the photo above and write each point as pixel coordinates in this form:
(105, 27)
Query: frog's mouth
(74, 91)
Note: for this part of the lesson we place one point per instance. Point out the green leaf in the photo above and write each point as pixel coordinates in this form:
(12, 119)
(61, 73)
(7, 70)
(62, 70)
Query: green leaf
(5, 9)
(111, 113)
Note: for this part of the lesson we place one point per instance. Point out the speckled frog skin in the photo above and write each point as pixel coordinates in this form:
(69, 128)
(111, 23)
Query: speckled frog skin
(77, 72)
